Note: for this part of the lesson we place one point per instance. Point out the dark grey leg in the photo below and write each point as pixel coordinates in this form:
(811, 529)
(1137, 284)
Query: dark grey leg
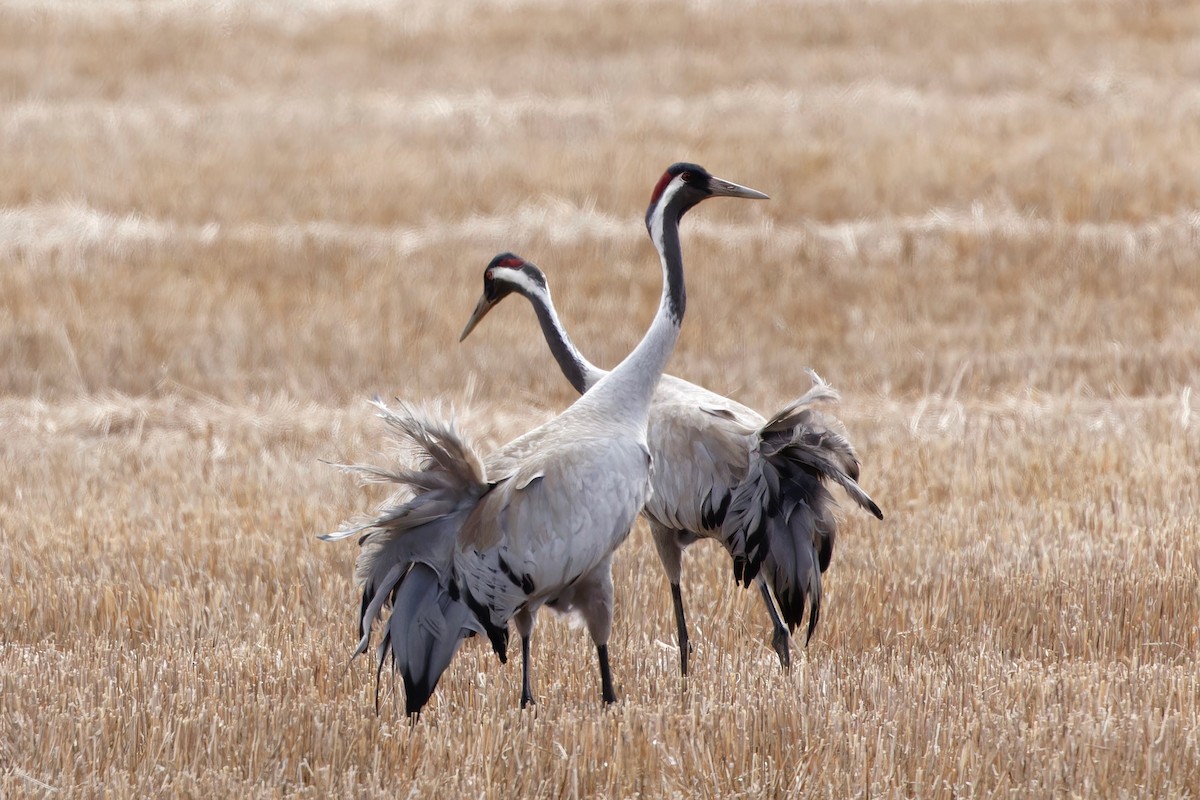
(779, 640)
(606, 684)
(680, 629)
(526, 688)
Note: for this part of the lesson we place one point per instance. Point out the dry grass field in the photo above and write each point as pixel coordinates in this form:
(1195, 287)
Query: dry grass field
(225, 225)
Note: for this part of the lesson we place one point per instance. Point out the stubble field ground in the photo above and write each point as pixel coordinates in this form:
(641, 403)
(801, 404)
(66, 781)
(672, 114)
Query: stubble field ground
(224, 226)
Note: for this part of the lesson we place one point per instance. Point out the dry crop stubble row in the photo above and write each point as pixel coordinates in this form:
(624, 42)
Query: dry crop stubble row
(223, 226)
(356, 118)
(309, 312)
(998, 632)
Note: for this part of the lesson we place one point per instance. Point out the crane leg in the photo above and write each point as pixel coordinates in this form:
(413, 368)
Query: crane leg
(779, 639)
(670, 544)
(606, 683)
(526, 687)
(681, 629)
(524, 621)
(594, 593)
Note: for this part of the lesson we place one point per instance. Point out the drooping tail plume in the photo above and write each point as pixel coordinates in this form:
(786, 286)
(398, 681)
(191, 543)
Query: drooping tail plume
(406, 561)
(783, 503)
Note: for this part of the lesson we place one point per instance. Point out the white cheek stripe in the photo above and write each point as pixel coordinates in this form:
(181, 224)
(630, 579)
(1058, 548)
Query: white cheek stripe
(519, 278)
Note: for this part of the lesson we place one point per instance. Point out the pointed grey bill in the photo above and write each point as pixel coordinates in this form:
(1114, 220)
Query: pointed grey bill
(724, 188)
(481, 309)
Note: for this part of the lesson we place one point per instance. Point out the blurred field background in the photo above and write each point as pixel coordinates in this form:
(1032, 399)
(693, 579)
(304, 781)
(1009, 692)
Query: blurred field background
(225, 225)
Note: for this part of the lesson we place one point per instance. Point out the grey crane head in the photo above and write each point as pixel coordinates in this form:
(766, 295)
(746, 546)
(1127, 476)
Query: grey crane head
(505, 274)
(684, 185)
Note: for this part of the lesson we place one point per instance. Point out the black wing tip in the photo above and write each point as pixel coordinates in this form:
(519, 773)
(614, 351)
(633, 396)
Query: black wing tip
(361, 621)
(416, 695)
(498, 637)
(814, 615)
(712, 517)
(874, 509)
(792, 605)
(745, 570)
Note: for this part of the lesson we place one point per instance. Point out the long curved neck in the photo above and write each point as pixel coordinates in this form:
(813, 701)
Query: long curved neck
(582, 374)
(632, 383)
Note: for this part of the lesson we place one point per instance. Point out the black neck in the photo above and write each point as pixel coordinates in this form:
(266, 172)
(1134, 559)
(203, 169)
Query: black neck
(577, 369)
(672, 256)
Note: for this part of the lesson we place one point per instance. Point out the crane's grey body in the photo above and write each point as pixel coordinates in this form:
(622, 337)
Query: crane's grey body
(537, 523)
(531, 536)
(723, 472)
(702, 442)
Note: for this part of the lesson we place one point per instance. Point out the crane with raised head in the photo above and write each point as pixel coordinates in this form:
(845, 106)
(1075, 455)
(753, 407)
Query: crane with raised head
(721, 472)
(469, 544)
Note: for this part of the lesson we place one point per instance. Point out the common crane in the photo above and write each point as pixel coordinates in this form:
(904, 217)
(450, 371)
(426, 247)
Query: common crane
(470, 545)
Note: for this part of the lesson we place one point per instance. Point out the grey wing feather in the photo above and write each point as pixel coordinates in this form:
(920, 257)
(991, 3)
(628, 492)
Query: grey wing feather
(424, 632)
(800, 540)
(814, 444)
(801, 433)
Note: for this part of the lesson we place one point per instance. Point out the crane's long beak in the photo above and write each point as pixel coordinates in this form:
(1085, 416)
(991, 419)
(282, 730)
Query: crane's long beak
(481, 309)
(723, 188)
